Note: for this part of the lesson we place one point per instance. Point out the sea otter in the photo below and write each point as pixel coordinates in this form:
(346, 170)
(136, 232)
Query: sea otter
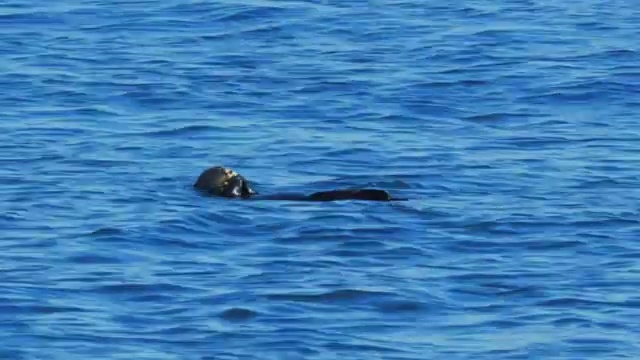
(221, 181)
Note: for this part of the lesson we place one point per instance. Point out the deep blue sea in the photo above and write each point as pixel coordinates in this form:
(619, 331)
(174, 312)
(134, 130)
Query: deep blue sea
(512, 126)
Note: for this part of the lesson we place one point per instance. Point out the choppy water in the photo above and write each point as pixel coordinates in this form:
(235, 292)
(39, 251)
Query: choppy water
(512, 126)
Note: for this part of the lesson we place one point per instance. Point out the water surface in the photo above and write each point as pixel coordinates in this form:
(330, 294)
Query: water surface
(511, 126)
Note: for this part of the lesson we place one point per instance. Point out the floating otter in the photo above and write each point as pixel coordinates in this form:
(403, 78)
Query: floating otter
(221, 181)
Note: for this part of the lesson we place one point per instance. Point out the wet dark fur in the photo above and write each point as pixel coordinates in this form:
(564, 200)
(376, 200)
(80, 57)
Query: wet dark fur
(220, 181)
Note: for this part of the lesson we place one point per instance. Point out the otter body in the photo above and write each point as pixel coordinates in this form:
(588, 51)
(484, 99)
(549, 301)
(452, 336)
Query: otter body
(220, 181)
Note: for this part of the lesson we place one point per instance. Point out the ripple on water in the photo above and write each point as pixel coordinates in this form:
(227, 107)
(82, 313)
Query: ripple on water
(238, 314)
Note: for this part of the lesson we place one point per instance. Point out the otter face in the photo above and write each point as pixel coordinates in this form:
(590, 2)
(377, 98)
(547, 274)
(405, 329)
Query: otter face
(225, 182)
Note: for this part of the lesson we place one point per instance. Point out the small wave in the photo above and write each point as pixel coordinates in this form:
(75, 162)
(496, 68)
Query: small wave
(331, 296)
(250, 13)
(572, 321)
(98, 163)
(52, 131)
(373, 348)
(395, 307)
(495, 117)
(139, 289)
(238, 314)
(574, 303)
(39, 309)
(623, 54)
(181, 131)
(31, 17)
(93, 259)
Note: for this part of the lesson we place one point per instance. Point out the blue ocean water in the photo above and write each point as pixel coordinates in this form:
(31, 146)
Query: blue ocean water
(511, 126)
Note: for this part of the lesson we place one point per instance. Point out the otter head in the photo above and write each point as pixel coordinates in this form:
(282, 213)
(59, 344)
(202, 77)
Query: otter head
(225, 182)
